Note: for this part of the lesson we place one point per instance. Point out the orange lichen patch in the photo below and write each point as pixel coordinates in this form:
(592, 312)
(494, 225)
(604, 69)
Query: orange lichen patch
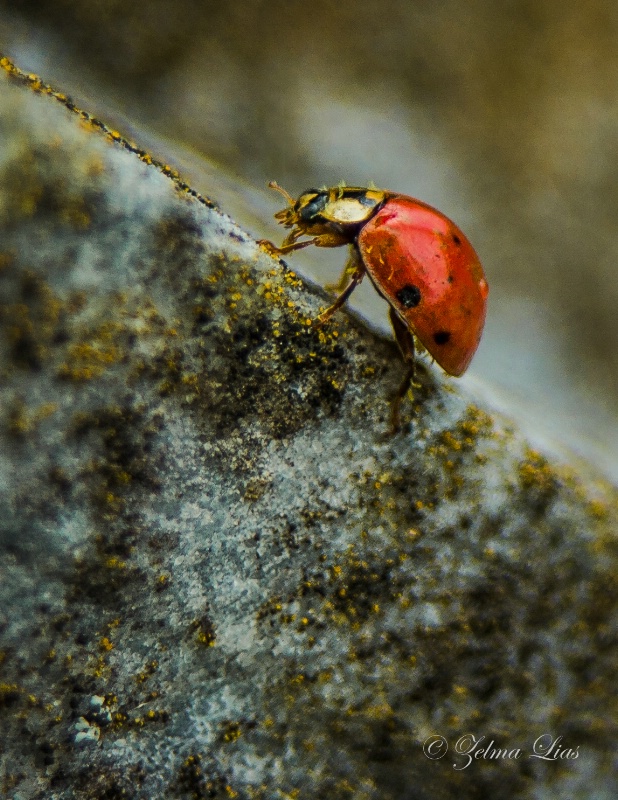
(536, 472)
(271, 607)
(277, 293)
(195, 780)
(147, 672)
(113, 562)
(21, 420)
(464, 436)
(28, 192)
(231, 731)
(205, 631)
(163, 581)
(476, 422)
(599, 509)
(9, 693)
(89, 359)
(75, 213)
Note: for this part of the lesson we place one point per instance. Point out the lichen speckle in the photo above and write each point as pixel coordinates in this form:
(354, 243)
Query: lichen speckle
(223, 578)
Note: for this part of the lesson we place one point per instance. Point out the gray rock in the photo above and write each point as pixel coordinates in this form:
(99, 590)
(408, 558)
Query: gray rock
(220, 576)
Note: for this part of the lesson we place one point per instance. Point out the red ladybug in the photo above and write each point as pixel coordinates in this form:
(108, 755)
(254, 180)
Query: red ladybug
(417, 259)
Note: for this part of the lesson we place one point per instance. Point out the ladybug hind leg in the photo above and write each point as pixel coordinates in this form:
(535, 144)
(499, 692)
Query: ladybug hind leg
(349, 270)
(405, 340)
(355, 271)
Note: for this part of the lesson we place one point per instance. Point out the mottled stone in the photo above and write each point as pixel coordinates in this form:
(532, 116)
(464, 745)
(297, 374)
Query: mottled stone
(221, 577)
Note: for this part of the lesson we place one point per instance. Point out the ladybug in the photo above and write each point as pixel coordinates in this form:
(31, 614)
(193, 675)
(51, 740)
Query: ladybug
(417, 259)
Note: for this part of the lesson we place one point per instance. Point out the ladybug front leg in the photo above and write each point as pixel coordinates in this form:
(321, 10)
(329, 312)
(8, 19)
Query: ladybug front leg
(286, 247)
(356, 268)
(289, 244)
(405, 340)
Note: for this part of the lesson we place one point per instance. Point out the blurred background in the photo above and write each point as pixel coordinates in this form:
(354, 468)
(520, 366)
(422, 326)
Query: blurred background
(502, 114)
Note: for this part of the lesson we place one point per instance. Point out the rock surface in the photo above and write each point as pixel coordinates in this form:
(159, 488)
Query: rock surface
(220, 577)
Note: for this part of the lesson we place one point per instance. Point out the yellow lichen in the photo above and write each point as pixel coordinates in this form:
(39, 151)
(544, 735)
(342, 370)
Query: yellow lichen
(232, 731)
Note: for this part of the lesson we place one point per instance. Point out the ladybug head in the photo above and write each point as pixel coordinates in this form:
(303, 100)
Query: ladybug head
(341, 208)
(302, 211)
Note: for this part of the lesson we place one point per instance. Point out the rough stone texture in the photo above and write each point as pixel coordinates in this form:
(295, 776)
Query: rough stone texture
(220, 577)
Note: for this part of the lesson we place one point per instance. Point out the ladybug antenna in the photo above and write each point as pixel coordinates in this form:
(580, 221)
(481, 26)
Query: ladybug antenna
(274, 185)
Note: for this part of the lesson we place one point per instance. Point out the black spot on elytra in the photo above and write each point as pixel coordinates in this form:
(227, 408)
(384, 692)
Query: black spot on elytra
(441, 337)
(409, 296)
(456, 239)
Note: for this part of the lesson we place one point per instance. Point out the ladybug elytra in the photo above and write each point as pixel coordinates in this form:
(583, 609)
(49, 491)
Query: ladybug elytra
(417, 259)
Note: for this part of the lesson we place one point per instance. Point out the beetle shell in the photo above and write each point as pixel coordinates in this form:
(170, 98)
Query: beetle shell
(425, 267)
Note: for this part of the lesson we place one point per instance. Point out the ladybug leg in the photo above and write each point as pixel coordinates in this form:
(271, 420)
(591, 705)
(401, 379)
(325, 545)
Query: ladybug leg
(357, 269)
(344, 279)
(286, 247)
(405, 340)
(290, 243)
